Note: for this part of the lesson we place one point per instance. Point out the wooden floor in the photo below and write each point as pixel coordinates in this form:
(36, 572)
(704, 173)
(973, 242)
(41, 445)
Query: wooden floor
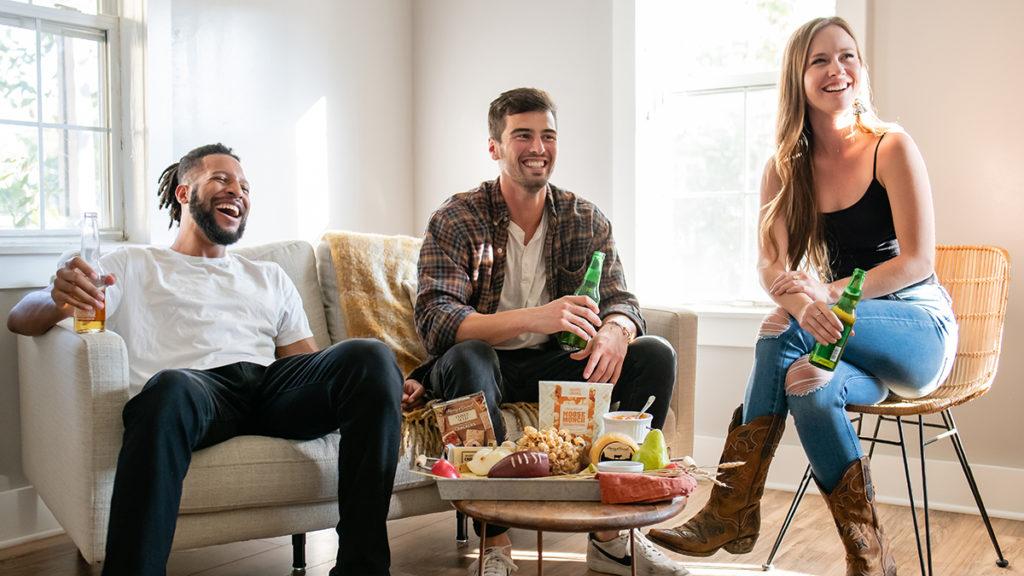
(425, 546)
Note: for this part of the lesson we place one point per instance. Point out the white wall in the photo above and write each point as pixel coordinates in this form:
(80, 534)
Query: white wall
(315, 96)
(468, 52)
(946, 71)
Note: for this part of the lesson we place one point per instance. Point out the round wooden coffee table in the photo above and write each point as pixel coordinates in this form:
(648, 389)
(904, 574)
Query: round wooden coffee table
(566, 517)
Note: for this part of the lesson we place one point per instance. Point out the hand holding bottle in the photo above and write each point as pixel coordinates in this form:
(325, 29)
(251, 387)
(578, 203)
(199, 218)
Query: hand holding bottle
(576, 314)
(820, 321)
(78, 286)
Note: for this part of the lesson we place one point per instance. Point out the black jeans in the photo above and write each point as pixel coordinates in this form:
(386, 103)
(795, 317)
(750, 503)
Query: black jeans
(513, 376)
(354, 386)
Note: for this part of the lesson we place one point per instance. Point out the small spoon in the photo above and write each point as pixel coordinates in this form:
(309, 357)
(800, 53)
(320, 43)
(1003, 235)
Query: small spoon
(650, 401)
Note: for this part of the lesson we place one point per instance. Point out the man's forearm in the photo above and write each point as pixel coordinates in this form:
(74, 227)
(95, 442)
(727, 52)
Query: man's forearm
(35, 314)
(493, 328)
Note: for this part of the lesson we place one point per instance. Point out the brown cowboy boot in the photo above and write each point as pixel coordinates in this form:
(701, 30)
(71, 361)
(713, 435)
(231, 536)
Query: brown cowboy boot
(852, 503)
(732, 517)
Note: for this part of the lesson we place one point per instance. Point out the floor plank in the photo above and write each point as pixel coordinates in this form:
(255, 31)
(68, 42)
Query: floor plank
(425, 546)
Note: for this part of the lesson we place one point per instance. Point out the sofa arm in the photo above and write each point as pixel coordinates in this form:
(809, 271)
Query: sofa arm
(679, 327)
(73, 388)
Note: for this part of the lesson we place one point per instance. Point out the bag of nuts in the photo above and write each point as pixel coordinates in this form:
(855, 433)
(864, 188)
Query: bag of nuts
(464, 421)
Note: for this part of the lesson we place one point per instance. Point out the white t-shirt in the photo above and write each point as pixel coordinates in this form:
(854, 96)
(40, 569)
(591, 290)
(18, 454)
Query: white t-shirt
(526, 280)
(178, 311)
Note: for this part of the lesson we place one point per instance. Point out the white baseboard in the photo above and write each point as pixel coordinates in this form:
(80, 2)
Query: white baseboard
(24, 517)
(947, 487)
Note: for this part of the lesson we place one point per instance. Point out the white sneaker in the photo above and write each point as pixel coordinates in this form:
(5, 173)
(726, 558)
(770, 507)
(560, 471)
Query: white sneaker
(497, 562)
(613, 557)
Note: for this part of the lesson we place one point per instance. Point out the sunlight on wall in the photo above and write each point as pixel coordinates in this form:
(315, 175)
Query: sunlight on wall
(313, 206)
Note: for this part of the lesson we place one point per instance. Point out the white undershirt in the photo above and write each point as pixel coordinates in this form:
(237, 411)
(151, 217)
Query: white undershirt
(526, 283)
(178, 311)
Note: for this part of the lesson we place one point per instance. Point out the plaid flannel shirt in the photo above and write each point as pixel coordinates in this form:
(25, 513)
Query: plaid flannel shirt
(462, 261)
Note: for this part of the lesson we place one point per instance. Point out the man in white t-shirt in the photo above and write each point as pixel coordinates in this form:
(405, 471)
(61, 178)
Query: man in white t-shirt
(219, 346)
(497, 272)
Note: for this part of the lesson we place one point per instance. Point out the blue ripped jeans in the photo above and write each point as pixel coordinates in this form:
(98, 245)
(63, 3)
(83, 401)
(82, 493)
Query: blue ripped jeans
(904, 342)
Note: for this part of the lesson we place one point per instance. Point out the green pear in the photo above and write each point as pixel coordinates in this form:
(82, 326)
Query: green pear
(653, 452)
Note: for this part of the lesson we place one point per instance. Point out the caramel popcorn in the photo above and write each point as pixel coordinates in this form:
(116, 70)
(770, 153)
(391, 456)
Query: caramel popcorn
(565, 450)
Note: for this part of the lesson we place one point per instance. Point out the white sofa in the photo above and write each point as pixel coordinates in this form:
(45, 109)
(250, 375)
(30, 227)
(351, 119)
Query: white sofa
(73, 388)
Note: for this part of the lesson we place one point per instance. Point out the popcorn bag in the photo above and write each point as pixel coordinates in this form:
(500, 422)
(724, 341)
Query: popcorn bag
(575, 407)
(465, 421)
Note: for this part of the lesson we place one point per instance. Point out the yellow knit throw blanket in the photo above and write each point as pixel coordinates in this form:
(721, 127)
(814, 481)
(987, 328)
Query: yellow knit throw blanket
(376, 278)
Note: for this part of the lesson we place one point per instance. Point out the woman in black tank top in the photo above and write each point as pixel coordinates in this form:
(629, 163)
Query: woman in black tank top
(821, 218)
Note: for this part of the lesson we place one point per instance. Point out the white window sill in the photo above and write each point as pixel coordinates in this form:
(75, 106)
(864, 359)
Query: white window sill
(31, 264)
(729, 325)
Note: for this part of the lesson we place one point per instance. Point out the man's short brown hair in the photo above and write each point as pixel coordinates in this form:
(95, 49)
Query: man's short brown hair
(517, 101)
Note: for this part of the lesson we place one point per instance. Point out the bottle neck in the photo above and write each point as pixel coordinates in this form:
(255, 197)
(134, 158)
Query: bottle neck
(848, 301)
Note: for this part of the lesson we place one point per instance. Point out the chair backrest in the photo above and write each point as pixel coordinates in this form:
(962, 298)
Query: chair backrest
(977, 278)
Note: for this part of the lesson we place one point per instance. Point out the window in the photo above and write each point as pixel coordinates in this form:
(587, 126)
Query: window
(59, 125)
(706, 97)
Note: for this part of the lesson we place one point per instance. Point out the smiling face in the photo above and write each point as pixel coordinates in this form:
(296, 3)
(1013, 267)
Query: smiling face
(832, 72)
(527, 151)
(218, 198)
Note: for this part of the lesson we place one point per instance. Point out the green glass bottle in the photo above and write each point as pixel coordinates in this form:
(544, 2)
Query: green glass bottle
(591, 287)
(827, 355)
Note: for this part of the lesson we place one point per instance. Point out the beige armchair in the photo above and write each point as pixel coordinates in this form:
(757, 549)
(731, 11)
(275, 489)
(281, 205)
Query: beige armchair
(73, 388)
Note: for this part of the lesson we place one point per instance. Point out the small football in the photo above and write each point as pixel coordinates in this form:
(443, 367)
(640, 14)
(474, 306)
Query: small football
(522, 465)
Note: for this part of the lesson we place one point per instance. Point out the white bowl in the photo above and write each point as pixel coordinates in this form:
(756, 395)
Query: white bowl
(620, 466)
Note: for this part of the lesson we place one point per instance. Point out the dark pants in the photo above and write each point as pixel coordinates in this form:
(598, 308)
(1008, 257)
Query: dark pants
(354, 386)
(513, 376)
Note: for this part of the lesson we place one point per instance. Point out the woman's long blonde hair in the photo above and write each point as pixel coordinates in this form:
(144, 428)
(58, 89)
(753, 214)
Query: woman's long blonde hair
(794, 142)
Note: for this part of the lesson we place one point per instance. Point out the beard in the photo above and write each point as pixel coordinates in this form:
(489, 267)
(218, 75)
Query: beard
(204, 217)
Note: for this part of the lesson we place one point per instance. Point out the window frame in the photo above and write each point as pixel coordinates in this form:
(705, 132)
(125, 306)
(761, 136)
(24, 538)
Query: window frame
(55, 241)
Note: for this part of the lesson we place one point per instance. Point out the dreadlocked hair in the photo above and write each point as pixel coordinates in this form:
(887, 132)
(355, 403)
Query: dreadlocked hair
(175, 174)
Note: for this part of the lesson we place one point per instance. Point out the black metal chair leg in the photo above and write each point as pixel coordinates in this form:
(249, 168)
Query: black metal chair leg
(874, 436)
(924, 493)
(910, 494)
(298, 554)
(947, 418)
(800, 491)
(461, 536)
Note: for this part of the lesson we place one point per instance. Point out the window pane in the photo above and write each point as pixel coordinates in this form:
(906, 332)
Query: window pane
(725, 37)
(762, 106)
(18, 88)
(72, 67)
(707, 102)
(19, 178)
(708, 144)
(74, 176)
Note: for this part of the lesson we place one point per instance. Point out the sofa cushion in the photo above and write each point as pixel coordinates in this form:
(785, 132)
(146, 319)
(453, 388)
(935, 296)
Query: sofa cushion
(255, 471)
(297, 260)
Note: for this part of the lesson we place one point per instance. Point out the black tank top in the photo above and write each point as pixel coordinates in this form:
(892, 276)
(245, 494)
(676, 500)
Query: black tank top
(863, 235)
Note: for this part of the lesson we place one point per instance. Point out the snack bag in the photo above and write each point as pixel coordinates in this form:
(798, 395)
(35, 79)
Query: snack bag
(576, 407)
(465, 421)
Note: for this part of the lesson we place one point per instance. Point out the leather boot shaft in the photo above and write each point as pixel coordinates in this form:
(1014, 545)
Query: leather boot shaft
(732, 517)
(852, 504)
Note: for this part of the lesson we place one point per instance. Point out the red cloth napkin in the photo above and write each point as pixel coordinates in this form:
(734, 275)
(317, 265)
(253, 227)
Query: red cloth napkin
(619, 488)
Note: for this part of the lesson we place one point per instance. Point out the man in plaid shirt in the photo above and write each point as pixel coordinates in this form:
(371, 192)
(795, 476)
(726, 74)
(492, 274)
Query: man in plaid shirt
(497, 272)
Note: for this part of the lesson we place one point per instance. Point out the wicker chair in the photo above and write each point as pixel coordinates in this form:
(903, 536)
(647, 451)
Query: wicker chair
(977, 278)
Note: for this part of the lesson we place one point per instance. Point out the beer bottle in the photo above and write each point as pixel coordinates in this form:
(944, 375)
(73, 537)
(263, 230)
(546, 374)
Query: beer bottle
(91, 320)
(827, 355)
(591, 287)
